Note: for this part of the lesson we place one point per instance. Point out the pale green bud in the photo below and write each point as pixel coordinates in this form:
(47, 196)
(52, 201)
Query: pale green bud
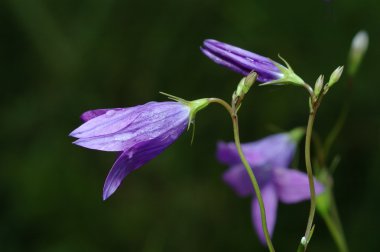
(245, 84)
(358, 48)
(318, 85)
(335, 76)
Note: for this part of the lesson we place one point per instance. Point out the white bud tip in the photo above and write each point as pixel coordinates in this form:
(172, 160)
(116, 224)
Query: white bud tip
(360, 41)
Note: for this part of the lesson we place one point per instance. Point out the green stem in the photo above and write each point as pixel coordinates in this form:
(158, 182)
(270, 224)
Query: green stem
(309, 170)
(254, 183)
(248, 168)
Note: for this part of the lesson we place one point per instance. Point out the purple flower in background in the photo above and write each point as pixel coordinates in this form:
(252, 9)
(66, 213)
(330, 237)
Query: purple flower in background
(244, 62)
(269, 158)
(139, 133)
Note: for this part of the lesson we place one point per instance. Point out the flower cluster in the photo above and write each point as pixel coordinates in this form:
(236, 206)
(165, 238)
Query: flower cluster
(142, 132)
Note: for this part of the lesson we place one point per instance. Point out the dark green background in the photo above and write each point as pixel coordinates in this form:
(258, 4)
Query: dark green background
(60, 58)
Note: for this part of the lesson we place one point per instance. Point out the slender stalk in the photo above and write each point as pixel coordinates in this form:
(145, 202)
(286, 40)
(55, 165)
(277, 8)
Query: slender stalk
(254, 183)
(248, 168)
(309, 170)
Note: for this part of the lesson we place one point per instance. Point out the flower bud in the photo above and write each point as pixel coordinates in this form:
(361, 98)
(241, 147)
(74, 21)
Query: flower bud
(358, 48)
(318, 85)
(335, 76)
(244, 62)
(245, 84)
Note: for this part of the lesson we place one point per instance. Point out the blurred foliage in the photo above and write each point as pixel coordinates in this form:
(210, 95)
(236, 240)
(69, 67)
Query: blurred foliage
(60, 58)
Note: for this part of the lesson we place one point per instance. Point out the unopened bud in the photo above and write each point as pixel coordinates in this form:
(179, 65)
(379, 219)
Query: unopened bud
(245, 84)
(358, 48)
(318, 85)
(242, 89)
(335, 76)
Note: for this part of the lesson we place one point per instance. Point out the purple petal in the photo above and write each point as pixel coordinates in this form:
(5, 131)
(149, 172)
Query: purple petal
(115, 120)
(238, 179)
(88, 115)
(274, 150)
(226, 153)
(238, 51)
(241, 61)
(136, 156)
(270, 204)
(117, 130)
(292, 186)
(220, 61)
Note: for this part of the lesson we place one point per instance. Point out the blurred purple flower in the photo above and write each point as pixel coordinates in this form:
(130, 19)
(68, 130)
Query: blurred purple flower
(269, 158)
(139, 133)
(241, 61)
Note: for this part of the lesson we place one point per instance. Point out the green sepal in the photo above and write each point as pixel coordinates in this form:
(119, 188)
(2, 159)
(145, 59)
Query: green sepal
(289, 78)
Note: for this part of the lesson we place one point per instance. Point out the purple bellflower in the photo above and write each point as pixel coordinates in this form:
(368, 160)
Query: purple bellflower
(269, 158)
(138, 133)
(244, 62)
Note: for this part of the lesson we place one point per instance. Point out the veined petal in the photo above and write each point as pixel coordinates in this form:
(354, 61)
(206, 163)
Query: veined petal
(136, 156)
(292, 186)
(117, 130)
(241, 61)
(270, 204)
(128, 119)
(239, 51)
(136, 133)
(88, 115)
(223, 62)
(274, 150)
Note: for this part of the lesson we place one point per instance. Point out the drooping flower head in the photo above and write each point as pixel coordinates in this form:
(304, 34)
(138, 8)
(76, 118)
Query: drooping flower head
(244, 62)
(270, 159)
(138, 133)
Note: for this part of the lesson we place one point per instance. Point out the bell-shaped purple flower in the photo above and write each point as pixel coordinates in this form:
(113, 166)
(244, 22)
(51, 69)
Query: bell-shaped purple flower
(244, 62)
(269, 158)
(139, 133)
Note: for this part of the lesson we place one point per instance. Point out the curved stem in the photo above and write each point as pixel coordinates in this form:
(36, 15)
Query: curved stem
(224, 104)
(254, 183)
(309, 170)
(310, 91)
(247, 167)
